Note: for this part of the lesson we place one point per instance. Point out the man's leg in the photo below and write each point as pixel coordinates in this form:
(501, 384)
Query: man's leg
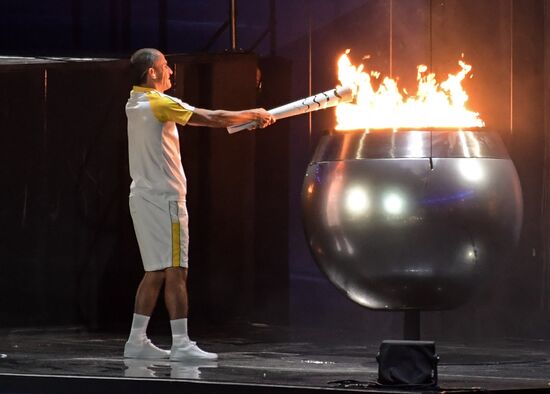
(175, 293)
(138, 346)
(148, 292)
(175, 296)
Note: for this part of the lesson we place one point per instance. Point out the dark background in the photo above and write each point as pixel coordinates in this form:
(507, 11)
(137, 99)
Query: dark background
(67, 250)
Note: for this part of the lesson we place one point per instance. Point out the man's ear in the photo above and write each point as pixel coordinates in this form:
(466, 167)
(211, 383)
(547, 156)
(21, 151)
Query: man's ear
(152, 73)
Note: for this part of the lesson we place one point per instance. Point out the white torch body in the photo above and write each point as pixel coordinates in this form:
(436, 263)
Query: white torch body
(323, 100)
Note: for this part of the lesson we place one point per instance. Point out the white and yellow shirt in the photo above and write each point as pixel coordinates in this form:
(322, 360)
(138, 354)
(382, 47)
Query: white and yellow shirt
(153, 144)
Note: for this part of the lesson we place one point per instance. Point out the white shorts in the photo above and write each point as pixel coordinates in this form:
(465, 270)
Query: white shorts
(162, 232)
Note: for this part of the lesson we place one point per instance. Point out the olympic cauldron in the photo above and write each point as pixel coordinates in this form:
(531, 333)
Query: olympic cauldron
(412, 219)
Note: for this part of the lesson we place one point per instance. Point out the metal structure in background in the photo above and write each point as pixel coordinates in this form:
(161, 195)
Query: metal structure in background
(413, 220)
(120, 27)
(231, 23)
(163, 25)
(270, 30)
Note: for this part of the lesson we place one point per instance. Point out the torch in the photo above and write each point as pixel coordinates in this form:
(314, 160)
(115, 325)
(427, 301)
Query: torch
(323, 100)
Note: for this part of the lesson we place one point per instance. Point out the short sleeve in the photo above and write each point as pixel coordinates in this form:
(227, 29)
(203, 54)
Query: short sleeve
(166, 108)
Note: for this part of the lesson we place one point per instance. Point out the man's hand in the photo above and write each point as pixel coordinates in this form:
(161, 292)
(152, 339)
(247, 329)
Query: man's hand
(263, 118)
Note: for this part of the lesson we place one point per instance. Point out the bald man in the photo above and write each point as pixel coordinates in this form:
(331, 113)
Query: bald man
(157, 199)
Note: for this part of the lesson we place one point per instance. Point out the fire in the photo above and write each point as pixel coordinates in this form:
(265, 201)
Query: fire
(435, 105)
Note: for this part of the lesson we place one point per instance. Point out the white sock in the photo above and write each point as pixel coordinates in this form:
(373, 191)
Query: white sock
(139, 327)
(179, 332)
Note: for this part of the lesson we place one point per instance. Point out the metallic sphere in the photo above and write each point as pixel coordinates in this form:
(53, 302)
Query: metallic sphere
(411, 219)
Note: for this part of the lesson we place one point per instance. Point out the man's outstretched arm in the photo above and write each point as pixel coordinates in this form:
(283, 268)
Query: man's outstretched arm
(223, 118)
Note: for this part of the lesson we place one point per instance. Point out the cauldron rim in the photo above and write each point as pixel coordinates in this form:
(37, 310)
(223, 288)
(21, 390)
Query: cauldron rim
(385, 143)
(409, 129)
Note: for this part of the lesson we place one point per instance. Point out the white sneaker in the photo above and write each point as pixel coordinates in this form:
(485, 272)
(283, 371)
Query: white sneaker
(145, 349)
(190, 351)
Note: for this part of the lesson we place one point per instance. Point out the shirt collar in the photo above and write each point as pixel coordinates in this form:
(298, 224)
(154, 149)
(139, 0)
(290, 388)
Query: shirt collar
(141, 89)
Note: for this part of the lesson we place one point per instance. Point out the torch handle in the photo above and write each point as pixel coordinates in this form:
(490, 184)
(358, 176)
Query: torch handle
(324, 100)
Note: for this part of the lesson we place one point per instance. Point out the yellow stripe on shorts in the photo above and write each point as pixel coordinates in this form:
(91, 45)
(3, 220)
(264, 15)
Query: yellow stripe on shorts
(176, 248)
(176, 231)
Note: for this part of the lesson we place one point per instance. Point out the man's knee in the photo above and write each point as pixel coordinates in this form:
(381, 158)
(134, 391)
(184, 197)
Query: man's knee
(176, 275)
(155, 278)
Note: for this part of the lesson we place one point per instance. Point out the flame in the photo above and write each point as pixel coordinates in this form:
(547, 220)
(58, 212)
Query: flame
(435, 104)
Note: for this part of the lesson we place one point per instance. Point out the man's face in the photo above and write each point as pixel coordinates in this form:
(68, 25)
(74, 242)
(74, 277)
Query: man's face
(162, 74)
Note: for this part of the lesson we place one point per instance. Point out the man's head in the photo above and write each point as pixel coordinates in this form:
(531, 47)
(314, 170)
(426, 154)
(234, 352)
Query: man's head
(150, 69)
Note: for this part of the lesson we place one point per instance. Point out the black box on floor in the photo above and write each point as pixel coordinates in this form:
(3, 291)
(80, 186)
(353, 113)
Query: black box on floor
(407, 363)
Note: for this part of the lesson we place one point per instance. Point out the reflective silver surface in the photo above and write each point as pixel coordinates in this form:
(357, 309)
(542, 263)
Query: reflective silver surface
(413, 219)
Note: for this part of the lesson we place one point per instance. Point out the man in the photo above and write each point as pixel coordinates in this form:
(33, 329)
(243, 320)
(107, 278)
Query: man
(157, 199)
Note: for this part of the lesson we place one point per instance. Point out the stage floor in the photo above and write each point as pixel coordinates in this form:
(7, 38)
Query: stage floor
(257, 356)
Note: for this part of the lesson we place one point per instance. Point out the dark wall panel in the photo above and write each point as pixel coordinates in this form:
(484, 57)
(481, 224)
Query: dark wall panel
(21, 140)
(88, 238)
(271, 198)
(503, 42)
(526, 145)
(67, 172)
(229, 241)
